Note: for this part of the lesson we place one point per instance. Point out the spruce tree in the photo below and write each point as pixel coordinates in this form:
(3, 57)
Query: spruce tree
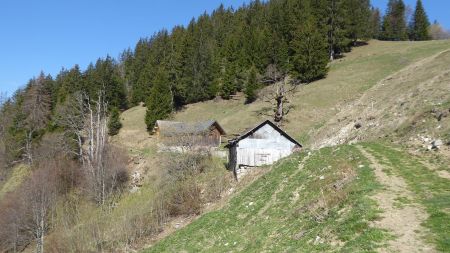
(357, 19)
(332, 19)
(114, 124)
(251, 86)
(394, 22)
(160, 102)
(375, 23)
(310, 57)
(420, 23)
(229, 86)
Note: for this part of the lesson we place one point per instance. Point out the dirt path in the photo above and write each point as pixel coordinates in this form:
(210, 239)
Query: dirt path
(403, 222)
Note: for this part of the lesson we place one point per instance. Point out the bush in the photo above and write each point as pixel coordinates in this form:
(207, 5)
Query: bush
(185, 198)
(192, 180)
(188, 182)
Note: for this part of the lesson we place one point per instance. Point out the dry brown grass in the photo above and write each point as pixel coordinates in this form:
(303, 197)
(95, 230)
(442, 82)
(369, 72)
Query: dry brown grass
(393, 102)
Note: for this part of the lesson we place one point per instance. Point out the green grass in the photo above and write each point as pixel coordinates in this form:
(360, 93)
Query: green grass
(432, 191)
(281, 211)
(400, 202)
(18, 174)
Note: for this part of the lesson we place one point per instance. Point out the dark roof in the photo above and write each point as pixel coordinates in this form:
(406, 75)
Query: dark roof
(168, 128)
(236, 140)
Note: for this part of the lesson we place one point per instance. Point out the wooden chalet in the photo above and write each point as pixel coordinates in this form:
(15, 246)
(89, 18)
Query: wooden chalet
(183, 135)
(262, 145)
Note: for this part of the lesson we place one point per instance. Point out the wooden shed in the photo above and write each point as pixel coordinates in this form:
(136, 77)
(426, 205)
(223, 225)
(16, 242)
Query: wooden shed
(184, 135)
(263, 145)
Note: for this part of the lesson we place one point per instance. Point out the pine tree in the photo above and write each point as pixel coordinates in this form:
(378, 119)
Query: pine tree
(332, 18)
(311, 57)
(160, 102)
(229, 86)
(251, 86)
(68, 82)
(394, 22)
(114, 124)
(104, 76)
(420, 23)
(375, 23)
(357, 19)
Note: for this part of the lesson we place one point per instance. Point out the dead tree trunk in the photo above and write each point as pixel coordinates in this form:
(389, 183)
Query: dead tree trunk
(28, 147)
(96, 125)
(279, 99)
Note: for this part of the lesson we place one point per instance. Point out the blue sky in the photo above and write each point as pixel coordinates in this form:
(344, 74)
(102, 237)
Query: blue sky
(50, 34)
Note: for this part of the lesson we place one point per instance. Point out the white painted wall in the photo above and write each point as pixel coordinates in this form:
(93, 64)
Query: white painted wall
(264, 147)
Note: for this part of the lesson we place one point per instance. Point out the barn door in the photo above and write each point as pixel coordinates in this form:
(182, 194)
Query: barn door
(262, 158)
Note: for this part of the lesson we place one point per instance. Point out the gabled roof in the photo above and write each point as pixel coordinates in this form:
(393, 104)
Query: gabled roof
(169, 128)
(267, 122)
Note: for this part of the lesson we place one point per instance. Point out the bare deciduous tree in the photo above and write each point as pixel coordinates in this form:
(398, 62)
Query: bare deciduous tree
(40, 194)
(438, 33)
(13, 237)
(25, 213)
(279, 98)
(73, 117)
(86, 122)
(272, 74)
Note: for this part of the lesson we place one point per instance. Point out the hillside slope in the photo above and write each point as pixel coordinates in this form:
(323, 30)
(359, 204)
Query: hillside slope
(320, 104)
(346, 198)
(343, 199)
(394, 102)
(287, 210)
(349, 78)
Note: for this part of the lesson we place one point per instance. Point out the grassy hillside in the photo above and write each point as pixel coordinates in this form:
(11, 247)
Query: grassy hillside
(423, 190)
(319, 105)
(315, 203)
(330, 200)
(341, 199)
(316, 103)
(401, 104)
(347, 198)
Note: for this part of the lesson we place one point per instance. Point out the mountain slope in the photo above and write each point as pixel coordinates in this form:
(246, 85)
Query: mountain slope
(393, 74)
(394, 102)
(316, 103)
(342, 198)
(315, 203)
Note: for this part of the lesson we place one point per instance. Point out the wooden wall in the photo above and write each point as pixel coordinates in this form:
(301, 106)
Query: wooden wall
(263, 147)
(209, 139)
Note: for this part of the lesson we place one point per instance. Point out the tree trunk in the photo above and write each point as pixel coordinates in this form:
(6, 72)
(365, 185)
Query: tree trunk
(40, 233)
(279, 113)
(28, 147)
